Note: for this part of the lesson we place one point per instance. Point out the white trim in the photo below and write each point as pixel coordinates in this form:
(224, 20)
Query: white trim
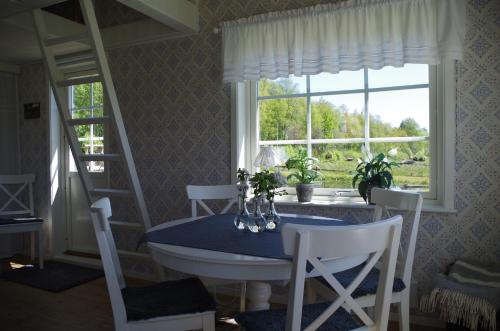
(442, 99)
(179, 14)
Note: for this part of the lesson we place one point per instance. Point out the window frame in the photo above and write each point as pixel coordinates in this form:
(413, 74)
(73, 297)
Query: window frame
(93, 107)
(442, 98)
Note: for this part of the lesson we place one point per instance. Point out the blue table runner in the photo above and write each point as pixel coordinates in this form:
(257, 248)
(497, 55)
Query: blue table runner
(218, 233)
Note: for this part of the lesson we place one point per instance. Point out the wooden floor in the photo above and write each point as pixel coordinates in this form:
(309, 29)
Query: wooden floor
(83, 308)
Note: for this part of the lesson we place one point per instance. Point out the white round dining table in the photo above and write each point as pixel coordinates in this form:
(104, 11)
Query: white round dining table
(258, 271)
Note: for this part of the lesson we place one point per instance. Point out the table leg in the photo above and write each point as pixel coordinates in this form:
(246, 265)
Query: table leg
(258, 294)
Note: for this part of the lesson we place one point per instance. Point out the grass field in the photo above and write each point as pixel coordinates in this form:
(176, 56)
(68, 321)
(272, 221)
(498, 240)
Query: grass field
(338, 174)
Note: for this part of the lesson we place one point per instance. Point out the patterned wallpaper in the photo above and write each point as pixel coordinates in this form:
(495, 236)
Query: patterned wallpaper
(177, 113)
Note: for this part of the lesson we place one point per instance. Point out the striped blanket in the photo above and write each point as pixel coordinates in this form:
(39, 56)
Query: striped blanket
(469, 295)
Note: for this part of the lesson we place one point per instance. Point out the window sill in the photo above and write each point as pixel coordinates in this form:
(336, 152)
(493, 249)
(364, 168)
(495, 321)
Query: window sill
(350, 202)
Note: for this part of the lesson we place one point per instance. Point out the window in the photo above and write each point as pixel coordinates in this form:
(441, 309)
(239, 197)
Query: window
(405, 113)
(86, 101)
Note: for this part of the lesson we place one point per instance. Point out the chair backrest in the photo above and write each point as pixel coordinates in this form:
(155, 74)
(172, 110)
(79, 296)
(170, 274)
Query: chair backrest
(198, 193)
(317, 245)
(399, 201)
(101, 212)
(21, 183)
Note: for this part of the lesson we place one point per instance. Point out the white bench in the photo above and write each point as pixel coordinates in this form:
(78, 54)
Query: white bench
(17, 215)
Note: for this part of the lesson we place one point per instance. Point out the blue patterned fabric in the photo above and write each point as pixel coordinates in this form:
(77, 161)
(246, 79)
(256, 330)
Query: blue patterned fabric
(368, 286)
(170, 298)
(218, 233)
(274, 320)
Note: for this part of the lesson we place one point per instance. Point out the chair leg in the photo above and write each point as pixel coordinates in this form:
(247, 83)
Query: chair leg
(312, 295)
(32, 246)
(40, 248)
(243, 296)
(404, 312)
(209, 322)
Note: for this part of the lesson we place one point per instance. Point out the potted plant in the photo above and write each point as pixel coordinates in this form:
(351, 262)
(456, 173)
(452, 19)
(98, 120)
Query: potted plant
(265, 184)
(373, 172)
(307, 172)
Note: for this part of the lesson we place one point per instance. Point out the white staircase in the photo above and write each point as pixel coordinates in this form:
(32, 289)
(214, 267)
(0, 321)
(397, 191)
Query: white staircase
(83, 67)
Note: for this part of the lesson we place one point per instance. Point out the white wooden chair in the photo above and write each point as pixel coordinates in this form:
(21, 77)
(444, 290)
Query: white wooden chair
(198, 193)
(314, 246)
(173, 305)
(397, 201)
(16, 215)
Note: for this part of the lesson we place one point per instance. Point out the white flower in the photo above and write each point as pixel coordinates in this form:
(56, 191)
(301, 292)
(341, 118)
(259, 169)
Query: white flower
(365, 152)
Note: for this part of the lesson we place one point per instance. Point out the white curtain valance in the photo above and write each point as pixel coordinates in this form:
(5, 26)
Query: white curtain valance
(347, 35)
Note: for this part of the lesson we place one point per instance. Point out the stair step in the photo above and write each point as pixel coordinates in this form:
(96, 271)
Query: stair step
(65, 39)
(131, 225)
(99, 157)
(111, 192)
(79, 80)
(75, 58)
(88, 121)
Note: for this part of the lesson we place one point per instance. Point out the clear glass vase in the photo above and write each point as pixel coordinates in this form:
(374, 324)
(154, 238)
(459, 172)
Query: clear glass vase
(257, 221)
(242, 216)
(272, 218)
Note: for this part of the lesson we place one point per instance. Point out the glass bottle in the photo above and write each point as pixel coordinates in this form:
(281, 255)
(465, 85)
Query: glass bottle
(257, 222)
(241, 218)
(272, 218)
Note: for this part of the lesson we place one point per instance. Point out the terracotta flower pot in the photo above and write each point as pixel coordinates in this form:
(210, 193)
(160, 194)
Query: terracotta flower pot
(305, 192)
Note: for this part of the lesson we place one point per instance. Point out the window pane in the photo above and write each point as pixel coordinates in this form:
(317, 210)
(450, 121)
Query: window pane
(282, 86)
(414, 163)
(337, 116)
(282, 119)
(344, 80)
(284, 152)
(97, 94)
(338, 163)
(410, 74)
(81, 96)
(399, 113)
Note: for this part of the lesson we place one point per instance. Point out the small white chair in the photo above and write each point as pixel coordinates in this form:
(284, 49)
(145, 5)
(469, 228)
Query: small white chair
(21, 214)
(314, 246)
(386, 200)
(198, 193)
(173, 305)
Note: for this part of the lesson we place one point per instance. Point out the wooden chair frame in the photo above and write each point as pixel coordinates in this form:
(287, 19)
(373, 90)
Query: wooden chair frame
(387, 203)
(314, 244)
(26, 182)
(198, 193)
(100, 213)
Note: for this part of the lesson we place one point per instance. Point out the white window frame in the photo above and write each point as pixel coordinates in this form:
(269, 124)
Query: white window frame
(92, 138)
(442, 98)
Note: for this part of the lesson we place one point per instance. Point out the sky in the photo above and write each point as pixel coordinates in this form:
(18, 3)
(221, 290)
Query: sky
(391, 106)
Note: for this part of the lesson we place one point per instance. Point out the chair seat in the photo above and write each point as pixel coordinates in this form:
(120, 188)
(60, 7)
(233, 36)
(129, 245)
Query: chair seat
(9, 221)
(368, 286)
(275, 320)
(186, 296)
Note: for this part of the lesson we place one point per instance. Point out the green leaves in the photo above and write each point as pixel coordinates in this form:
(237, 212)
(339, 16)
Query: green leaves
(375, 173)
(266, 183)
(307, 168)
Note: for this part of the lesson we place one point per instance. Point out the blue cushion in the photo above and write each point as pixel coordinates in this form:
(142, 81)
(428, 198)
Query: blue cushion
(274, 320)
(178, 297)
(8, 221)
(368, 286)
